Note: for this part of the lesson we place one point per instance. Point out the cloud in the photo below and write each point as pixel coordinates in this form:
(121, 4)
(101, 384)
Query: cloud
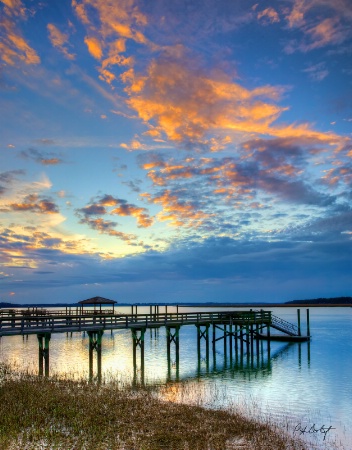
(29, 248)
(14, 8)
(179, 97)
(186, 104)
(8, 178)
(268, 16)
(46, 141)
(327, 32)
(330, 27)
(59, 40)
(94, 47)
(213, 267)
(108, 227)
(44, 158)
(13, 47)
(33, 203)
(180, 213)
(279, 167)
(108, 204)
(106, 41)
(317, 72)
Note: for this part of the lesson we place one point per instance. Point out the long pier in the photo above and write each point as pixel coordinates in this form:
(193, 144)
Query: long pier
(239, 330)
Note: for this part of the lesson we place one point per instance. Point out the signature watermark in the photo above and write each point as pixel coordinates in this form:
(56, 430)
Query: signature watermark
(312, 429)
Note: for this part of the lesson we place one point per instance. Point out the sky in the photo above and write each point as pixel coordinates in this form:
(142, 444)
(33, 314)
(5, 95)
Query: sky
(175, 151)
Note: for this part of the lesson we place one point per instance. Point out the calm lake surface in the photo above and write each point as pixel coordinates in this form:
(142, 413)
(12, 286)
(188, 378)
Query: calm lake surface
(301, 385)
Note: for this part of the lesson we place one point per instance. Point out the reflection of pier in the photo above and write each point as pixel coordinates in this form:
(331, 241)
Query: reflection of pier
(241, 332)
(242, 367)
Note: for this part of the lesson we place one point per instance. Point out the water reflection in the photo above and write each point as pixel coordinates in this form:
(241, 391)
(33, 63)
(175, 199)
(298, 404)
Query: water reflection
(233, 359)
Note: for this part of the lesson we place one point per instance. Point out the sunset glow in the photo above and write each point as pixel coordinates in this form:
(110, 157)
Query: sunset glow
(174, 151)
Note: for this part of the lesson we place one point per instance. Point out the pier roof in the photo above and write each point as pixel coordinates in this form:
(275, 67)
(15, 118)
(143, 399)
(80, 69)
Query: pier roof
(97, 301)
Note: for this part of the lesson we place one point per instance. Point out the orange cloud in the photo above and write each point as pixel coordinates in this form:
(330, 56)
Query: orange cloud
(140, 214)
(186, 105)
(33, 203)
(14, 47)
(296, 16)
(269, 15)
(319, 31)
(14, 7)
(179, 213)
(59, 40)
(118, 22)
(29, 239)
(94, 47)
(121, 208)
(326, 32)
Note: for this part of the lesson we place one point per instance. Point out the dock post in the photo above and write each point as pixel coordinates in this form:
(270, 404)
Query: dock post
(236, 337)
(43, 353)
(134, 348)
(230, 343)
(98, 350)
(247, 338)
(257, 337)
(214, 338)
(308, 325)
(236, 344)
(142, 353)
(168, 352)
(252, 339)
(207, 342)
(90, 358)
(225, 340)
(299, 355)
(268, 341)
(173, 337)
(95, 340)
(299, 321)
(138, 341)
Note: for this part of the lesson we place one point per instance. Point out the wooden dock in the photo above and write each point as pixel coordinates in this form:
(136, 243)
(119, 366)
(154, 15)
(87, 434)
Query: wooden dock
(239, 330)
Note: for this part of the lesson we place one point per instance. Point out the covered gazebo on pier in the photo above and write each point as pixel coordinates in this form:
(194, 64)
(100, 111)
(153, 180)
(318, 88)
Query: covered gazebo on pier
(96, 302)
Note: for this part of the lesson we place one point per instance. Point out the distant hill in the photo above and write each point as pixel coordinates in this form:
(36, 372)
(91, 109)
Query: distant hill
(323, 301)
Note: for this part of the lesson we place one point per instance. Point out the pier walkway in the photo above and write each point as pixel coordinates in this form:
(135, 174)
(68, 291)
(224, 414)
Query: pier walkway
(238, 330)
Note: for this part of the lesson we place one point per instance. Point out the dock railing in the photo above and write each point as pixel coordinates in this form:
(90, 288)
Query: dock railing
(12, 324)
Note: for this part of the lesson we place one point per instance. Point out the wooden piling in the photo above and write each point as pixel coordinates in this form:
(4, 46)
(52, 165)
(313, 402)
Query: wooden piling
(299, 321)
(308, 325)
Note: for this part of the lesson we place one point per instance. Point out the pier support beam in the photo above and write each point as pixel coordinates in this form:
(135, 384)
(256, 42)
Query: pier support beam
(173, 335)
(138, 341)
(95, 339)
(43, 341)
(299, 321)
(203, 334)
(308, 325)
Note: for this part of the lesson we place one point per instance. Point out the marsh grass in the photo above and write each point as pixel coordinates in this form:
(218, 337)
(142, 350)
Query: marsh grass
(61, 413)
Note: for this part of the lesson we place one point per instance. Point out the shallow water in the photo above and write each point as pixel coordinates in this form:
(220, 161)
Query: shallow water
(301, 385)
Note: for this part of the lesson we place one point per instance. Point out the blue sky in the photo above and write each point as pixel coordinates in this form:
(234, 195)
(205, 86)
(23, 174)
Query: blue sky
(175, 151)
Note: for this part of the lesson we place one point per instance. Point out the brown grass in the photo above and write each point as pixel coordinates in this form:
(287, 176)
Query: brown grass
(38, 413)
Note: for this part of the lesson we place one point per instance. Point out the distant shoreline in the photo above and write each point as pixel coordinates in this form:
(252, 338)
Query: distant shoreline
(337, 302)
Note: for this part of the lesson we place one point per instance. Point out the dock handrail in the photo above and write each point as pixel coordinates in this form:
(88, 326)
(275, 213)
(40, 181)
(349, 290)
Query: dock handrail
(27, 324)
(284, 325)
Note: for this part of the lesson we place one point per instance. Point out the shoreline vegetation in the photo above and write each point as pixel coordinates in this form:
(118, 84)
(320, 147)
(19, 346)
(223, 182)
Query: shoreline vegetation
(62, 413)
(318, 302)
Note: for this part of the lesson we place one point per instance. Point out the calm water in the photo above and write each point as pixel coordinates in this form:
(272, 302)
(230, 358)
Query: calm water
(302, 384)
